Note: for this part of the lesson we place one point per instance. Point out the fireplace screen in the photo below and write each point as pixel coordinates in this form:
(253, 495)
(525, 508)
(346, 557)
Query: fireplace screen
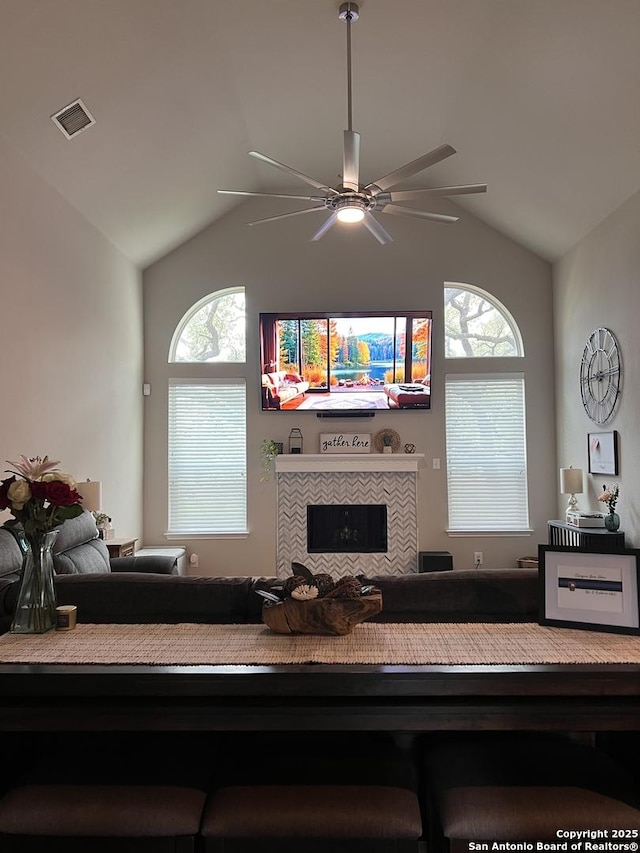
(338, 528)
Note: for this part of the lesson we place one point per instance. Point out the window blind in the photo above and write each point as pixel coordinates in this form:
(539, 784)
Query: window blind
(207, 456)
(486, 452)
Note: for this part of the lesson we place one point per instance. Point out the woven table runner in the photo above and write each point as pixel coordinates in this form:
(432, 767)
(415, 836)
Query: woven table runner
(370, 643)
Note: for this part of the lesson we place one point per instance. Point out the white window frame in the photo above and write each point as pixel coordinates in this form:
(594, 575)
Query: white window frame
(190, 314)
(483, 294)
(487, 492)
(208, 469)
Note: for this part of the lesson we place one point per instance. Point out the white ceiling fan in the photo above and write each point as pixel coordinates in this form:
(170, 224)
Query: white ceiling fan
(352, 201)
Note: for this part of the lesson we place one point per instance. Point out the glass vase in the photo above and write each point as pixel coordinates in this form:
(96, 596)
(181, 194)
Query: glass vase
(36, 608)
(612, 521)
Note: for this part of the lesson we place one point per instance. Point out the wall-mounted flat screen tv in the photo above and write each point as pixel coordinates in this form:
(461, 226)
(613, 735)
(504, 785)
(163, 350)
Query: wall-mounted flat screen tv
(343, 364)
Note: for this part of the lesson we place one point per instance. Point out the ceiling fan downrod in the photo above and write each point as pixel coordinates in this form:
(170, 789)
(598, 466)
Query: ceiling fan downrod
(349, 13)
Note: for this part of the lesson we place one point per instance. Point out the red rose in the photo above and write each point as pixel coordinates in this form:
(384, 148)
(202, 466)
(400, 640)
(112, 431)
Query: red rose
(59, 494)
(4, 488)
(39, 490)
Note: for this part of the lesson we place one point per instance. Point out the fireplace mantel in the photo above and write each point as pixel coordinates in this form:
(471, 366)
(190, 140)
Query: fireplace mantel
(342, 462)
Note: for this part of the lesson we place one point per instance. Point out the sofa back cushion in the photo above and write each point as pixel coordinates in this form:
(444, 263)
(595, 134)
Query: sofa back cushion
(467, 595)
(78, 550)
(76, 531)
(129, 598)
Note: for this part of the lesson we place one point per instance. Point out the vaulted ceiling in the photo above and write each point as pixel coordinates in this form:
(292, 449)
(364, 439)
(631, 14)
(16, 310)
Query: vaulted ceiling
(539, 97)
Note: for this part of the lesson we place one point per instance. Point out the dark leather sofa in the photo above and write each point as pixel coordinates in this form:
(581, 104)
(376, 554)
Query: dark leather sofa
(148, 589)
(498, 595)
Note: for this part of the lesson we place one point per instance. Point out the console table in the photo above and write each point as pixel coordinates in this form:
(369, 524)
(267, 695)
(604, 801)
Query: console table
(592, 538)
(321, 697)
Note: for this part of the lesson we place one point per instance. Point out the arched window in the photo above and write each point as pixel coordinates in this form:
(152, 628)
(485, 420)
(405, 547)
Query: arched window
(485, 417)
(212, 330)
(476, 325)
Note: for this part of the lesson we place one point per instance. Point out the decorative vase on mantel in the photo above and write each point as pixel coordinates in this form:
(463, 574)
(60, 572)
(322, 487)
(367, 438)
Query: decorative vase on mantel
(612, 522)
(36, 608)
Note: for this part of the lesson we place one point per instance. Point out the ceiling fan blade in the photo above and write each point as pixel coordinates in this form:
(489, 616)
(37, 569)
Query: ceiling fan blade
(410, 169)
(285, 215)
(273, 195)
(322, 230)
(291, 171)
(420, 214)
(435, 192)
(351, 161)
(372, 225)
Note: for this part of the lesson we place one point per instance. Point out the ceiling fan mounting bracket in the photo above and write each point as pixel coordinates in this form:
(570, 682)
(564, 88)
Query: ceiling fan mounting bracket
(349, 12)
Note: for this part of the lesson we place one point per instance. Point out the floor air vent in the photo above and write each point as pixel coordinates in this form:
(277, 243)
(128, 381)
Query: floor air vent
(73, 119)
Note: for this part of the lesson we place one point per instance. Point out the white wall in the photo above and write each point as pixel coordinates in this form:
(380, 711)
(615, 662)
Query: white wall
(71, 333)
(598, 284)
(348, 270)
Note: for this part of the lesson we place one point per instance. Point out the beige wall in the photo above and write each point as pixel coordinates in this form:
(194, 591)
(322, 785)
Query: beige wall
(71, 332)
(348, 270)
(598, 284)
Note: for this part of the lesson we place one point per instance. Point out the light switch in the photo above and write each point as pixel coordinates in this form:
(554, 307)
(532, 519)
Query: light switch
(435, 464)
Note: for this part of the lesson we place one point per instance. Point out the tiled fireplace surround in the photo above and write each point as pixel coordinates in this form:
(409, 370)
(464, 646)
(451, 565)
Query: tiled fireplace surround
(376, 478)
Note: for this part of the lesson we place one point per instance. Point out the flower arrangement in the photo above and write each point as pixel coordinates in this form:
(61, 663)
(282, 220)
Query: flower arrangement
(610, 497)
(102, 519)
(38, 495)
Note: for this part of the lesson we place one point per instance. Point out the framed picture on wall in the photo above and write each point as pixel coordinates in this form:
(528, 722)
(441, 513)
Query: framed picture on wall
(579, 588)
(603, 452)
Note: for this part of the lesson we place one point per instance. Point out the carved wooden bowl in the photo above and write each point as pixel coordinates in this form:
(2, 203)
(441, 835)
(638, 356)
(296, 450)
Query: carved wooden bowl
(321, 615)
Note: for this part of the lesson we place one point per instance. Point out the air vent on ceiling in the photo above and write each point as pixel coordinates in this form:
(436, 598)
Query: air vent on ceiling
(73, 119)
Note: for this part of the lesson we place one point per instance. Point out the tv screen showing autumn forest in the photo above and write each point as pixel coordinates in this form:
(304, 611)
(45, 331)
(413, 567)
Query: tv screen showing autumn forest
(346, 362)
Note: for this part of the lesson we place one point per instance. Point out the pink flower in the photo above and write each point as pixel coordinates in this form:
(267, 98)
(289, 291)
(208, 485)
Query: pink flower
(33, 468)
(610, 497)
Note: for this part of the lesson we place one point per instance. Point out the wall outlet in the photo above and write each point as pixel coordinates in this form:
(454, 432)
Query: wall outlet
(194, 561)
(477, 558)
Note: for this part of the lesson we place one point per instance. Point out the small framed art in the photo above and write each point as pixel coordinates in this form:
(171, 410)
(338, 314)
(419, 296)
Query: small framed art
(593, 591)
(603, 452)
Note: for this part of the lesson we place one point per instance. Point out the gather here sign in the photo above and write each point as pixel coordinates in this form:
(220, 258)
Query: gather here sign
(338, 442)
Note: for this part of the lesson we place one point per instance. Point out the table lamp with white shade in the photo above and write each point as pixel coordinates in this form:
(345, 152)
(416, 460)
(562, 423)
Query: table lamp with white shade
(571, 484)
(91, 493)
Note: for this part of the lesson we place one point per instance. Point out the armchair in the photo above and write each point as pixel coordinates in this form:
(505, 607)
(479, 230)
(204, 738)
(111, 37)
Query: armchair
(79, 550)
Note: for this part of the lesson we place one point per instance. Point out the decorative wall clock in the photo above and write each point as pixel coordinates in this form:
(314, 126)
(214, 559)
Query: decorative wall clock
(600, 375)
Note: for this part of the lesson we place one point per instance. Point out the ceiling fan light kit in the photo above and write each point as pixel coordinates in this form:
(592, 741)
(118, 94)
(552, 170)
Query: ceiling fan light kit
(350, 210)
(352, 202)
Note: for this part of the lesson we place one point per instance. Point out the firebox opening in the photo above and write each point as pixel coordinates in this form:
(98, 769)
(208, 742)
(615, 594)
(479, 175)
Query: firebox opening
(339, 528)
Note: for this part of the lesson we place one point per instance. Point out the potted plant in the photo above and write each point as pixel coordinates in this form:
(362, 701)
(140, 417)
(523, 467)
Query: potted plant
(269, 449)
